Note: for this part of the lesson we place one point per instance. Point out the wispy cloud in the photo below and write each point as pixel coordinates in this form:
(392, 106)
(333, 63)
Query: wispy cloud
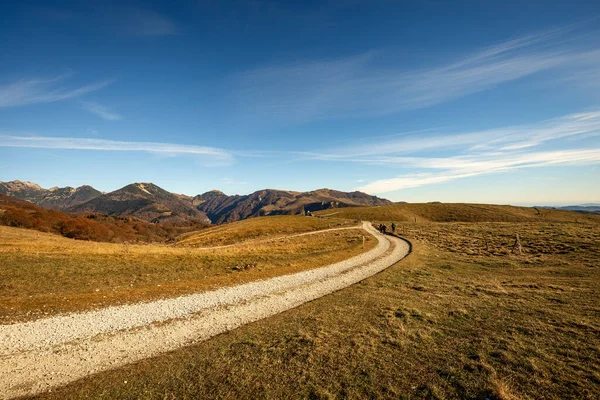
(464, 167)
(358, 86)
(24, 92)
(572, 126)
(476, 153)
(113, 145)
(100, 110)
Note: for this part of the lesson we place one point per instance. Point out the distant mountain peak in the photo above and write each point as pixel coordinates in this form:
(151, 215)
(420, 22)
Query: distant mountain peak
(215, 191)
(24, 184)
(211, 194)
(142, 187)
(54, 198)
(146, 201)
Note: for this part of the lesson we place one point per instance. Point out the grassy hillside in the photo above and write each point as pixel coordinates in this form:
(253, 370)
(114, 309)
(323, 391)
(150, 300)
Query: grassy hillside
(459, 212)
(449, 322)
(261, 227)
(42, 273)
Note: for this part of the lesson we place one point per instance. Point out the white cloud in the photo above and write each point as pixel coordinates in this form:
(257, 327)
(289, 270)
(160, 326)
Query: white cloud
(356, 87)
(24, 92)
(512, 138)
(469, 166)
(113, 145)
(476, 153)
(100, 110)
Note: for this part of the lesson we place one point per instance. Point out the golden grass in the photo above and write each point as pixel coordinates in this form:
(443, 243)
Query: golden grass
(458, 212)
(446, 323)
(498, 239)
(43, 274)
(260, 228)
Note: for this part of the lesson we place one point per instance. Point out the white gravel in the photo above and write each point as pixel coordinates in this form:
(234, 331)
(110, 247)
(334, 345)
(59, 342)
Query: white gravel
(38, 355)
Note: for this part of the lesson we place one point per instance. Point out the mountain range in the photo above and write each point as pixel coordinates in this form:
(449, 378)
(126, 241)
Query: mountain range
(151, 203)
(589, 207)
(54, 198)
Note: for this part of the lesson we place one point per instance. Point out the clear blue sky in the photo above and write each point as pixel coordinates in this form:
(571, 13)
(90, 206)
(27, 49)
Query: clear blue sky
(423, 100)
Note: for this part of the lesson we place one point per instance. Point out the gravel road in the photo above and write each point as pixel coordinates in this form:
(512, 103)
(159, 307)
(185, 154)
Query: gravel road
(38, 355)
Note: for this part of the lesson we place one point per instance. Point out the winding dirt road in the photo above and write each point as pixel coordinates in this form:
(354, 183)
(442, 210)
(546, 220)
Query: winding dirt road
(38, 355)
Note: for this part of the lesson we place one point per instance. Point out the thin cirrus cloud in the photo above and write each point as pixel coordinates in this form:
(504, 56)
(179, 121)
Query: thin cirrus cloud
(478, 153)
(220, 156)
(572, 126)
(466, 167)
(32, 91)
(101, 111)
(356, 86)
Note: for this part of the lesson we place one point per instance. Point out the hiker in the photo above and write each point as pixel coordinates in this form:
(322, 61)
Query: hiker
(393, 227)
(383, 229)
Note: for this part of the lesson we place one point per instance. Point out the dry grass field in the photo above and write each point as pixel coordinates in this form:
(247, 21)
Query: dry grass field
(455, 320)
(449, 212)
(43, 274)
(258, 228)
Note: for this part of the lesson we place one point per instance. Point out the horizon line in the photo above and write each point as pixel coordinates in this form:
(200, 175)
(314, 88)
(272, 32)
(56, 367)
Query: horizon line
(516, 204)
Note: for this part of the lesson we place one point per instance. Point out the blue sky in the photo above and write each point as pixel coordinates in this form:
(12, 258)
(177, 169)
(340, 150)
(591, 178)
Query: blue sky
(455, 101)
